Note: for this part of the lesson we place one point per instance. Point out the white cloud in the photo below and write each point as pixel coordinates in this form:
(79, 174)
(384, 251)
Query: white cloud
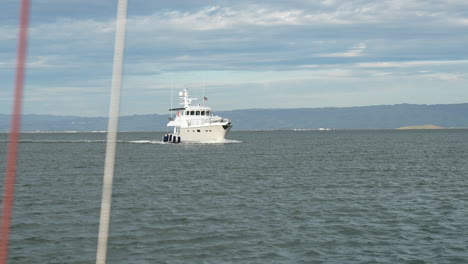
(40, 62)
(7, 64)
(44, 62)
(319, 45)
(216, 18)
(71, 29)
(356, 51)
(8, 32)
(447, 76)
(405, 64)
(461, 21)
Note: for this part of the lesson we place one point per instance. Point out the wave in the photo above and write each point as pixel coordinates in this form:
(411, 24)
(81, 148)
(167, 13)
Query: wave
(56, 141)
(143, 142)
(226, 141)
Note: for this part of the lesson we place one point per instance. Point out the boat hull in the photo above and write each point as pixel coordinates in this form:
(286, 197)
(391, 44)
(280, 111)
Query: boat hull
(211, 133)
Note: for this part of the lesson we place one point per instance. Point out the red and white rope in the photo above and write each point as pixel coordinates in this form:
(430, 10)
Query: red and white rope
(10, 175)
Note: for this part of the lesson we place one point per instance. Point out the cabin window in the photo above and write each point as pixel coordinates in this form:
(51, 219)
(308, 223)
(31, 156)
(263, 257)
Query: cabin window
(192, 112)
(186, 112)
(207, 113)
(198, 113)
(202, 112)
(198, 130)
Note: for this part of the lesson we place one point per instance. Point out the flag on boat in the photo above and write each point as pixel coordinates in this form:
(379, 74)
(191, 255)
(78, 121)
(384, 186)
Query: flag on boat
(205, 98)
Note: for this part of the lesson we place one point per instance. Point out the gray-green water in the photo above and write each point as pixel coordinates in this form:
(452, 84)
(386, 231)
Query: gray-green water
(265, 197)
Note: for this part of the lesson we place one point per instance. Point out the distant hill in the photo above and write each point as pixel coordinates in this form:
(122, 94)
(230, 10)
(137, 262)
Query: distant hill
(421, 127)
(366, 117)
(51, 123)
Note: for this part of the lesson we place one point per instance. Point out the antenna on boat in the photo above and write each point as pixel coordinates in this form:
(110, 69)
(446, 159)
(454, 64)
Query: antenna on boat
(172, 88)
(203, 90)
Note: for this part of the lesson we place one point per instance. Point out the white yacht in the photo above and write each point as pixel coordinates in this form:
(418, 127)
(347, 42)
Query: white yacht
(196, 123)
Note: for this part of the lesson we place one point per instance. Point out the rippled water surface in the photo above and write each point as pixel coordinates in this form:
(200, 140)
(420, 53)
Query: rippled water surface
(262, 197)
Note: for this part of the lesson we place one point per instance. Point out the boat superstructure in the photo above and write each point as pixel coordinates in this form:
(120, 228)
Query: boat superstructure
(196, 123)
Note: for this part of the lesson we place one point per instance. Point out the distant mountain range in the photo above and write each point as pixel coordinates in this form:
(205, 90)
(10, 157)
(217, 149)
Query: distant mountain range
(365, 117)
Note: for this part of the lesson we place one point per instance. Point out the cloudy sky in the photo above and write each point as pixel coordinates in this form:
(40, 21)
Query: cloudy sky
(243, 54)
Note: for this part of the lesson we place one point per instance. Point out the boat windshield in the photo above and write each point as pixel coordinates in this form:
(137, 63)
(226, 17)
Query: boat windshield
(197, 113)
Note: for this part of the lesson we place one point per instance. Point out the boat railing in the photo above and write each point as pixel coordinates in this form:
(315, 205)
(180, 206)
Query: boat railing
(207, 121)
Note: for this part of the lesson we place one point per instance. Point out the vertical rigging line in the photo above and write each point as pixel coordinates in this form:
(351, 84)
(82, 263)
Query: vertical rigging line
(112, 132)
(10, 174)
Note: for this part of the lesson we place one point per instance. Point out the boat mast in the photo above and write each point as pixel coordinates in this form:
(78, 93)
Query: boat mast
(185, 97)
